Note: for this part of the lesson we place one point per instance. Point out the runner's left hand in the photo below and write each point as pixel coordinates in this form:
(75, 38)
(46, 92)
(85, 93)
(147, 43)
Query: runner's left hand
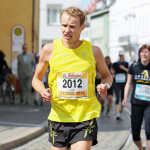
(102, 89)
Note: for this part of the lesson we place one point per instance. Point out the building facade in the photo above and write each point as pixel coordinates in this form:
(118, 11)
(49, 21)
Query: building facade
(129, 27)
(99, 33)
(97, 30)
(19, 25)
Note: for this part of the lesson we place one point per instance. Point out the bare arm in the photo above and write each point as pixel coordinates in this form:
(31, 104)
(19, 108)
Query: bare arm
(103, 70)
(126, 90)
(40, 71)
(124, 68)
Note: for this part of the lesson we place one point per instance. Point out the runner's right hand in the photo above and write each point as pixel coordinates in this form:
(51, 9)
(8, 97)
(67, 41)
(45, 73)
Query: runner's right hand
(47, 96)
(124, 102)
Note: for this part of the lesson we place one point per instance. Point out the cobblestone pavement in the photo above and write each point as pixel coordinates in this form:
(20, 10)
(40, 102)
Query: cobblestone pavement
(112, 133)
(41, 143)
(107, 141)
(132, 146)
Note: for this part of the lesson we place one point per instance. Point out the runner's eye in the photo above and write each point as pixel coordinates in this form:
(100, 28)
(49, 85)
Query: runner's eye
(64, 25)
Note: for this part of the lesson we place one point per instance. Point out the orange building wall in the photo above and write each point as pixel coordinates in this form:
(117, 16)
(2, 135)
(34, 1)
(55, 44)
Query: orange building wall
(14, 12)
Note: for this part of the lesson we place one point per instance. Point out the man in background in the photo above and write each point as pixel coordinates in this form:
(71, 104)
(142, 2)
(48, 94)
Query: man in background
(121, 68)
(26, 63)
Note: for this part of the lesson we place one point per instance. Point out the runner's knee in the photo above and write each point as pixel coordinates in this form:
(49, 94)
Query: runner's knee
(147, 135)
(136, 136)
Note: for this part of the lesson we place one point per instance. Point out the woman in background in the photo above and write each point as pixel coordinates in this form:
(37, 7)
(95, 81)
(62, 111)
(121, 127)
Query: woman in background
(139, 78)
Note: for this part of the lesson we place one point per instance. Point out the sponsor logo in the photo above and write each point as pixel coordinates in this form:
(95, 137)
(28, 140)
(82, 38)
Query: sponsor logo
(72, 76)
(143, 77)
(84, 54)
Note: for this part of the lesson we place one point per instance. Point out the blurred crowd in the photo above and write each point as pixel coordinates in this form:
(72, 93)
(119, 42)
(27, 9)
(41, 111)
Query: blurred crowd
(26, 66)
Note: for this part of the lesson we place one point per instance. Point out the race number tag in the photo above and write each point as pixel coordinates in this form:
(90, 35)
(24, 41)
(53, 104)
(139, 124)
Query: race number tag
(120, 78)
(142, 92)
(72, 85)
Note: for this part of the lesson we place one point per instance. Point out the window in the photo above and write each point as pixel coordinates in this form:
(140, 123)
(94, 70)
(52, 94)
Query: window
(53, 15)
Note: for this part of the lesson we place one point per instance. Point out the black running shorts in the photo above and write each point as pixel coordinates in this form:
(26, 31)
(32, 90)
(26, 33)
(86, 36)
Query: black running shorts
(110, 91)
(64, 134)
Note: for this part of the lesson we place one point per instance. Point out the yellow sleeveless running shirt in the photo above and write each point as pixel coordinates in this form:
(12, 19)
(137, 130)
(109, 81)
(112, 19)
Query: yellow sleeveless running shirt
(72, 83)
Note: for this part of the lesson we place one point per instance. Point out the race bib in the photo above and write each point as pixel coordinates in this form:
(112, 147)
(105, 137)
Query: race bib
(120, 78)
(142, 92)
(72, 85)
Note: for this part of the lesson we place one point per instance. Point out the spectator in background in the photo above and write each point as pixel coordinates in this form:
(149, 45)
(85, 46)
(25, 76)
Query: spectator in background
(6, 73)
(139, 79)
(3, 65)
(121, 68)
(26, 64)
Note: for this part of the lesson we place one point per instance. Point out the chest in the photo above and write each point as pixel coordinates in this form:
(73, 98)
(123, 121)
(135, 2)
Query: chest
(117, 68)
(141, 75)
(70, 62)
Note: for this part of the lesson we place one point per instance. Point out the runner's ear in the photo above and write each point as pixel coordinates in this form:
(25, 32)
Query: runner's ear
(82, 26)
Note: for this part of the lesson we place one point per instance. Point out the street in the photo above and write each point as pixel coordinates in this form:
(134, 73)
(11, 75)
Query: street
(111, 136)
(20, 114)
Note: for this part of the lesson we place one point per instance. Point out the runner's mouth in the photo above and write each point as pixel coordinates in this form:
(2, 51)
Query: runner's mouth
(67, 36)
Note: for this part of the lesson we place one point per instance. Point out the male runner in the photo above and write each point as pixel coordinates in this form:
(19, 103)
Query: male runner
(120, 68)
(71, 92)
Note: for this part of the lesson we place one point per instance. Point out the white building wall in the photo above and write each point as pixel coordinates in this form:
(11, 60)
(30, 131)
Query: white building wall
(128, 18)
(49, 32)
(85, 34)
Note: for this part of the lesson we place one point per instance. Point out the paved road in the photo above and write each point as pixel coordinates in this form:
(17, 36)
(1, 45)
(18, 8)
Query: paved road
(23, 114)
(111, 135)
(111, 131)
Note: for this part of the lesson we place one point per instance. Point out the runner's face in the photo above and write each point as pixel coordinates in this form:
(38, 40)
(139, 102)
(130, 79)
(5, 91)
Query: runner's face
(70, 27)
(145, 55)
(121, 57)
(107, 61)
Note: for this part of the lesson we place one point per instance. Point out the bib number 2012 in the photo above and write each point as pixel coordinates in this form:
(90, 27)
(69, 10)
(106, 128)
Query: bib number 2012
(72, 83)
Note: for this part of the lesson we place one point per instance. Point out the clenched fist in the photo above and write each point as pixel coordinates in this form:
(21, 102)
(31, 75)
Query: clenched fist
(102, 89)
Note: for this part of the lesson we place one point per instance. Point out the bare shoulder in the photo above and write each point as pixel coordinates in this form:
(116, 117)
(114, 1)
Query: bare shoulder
(97, 53)
(47, 51)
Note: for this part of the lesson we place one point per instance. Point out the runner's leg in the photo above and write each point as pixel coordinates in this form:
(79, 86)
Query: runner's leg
(147, 126)
(81, 145)
(136, 122)
(59, 148)
(148, 145)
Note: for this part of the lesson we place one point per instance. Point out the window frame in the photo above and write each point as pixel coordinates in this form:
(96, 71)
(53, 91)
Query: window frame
(50, 14)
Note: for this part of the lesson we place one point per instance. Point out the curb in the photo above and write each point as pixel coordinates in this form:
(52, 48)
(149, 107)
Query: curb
(17, 142)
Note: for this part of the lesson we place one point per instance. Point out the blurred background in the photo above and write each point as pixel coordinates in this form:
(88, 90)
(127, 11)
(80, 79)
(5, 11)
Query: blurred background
(112, 25)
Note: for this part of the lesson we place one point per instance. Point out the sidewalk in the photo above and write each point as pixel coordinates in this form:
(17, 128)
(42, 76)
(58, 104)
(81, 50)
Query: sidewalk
(20, 123)
(112, 133)
(14, 136)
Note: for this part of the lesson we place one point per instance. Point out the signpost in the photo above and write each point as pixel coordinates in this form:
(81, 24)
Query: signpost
(18, 36)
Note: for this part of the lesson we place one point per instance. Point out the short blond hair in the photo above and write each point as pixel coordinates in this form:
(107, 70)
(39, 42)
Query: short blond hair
(74, 12)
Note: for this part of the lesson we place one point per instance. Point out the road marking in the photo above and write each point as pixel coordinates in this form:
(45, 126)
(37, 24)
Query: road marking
(21, 124)
(18, 110)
